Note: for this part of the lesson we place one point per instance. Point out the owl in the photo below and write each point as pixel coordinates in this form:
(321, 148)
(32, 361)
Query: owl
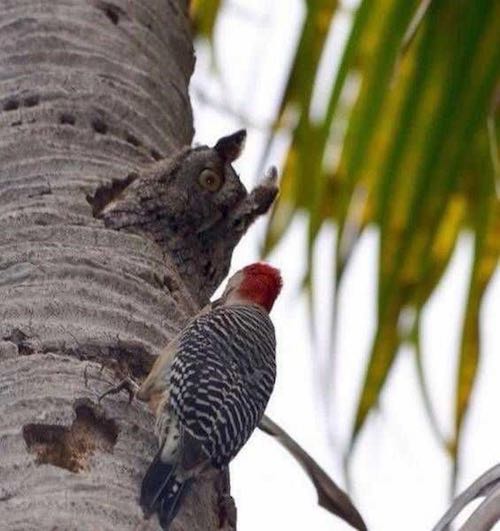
(194, 206)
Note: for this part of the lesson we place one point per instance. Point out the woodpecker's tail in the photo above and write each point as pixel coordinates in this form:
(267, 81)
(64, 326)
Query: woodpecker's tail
(162, 491)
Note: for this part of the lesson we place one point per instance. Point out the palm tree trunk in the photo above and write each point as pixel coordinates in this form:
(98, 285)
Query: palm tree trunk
(90, 91)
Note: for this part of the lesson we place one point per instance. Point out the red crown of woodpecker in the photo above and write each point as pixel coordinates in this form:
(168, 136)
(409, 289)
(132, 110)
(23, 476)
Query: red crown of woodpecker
(261, 284)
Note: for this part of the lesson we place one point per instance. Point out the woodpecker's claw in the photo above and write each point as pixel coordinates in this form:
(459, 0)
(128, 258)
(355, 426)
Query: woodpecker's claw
(126, 384)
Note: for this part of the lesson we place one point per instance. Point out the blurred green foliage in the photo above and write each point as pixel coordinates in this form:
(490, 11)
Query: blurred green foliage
(413, 112)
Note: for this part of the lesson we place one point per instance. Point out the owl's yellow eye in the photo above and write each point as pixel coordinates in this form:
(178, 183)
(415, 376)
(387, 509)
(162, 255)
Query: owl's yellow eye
(210, 180)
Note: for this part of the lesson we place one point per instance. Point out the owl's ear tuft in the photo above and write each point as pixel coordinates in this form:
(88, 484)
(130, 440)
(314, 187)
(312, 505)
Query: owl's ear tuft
(230, 147)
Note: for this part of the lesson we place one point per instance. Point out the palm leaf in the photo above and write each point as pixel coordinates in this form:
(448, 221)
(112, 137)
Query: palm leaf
(204, 16)
(407, 142)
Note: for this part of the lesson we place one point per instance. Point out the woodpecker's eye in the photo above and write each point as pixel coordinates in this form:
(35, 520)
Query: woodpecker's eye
(210, 180)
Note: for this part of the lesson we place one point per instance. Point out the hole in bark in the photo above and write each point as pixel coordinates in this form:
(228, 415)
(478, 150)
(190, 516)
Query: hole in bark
(70, 447)
(31, 101)
(106, 193)
(16, 123)
(25, 349)
(133, 360)
(99, 126)
(112, 12)
(11, 105)
(155, 154)
(131, 139)
(123, 359)
(21, 340)
(67, 119)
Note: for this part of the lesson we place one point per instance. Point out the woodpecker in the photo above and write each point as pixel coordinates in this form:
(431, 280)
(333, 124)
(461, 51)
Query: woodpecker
(210, 387)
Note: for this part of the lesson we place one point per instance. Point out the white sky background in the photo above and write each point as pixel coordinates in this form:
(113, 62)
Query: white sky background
(399, 474)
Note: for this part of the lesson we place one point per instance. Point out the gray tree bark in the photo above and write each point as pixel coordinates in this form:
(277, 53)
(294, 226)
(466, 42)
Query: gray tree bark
(91, 92)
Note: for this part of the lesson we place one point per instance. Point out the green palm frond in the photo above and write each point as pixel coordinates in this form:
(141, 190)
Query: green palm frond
(407, 143)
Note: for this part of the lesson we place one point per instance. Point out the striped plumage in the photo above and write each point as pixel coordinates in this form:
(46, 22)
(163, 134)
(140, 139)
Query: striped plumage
(210, 388)
(222, 378)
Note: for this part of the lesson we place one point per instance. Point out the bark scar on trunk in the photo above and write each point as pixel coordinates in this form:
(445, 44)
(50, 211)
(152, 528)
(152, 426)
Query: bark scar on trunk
(108, 192)
(70, 447)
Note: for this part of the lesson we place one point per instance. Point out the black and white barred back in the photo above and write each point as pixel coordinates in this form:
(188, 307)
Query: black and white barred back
(222, 378)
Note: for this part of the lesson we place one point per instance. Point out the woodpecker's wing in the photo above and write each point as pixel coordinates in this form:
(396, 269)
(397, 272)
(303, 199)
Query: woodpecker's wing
(157, 379)
(222, 378)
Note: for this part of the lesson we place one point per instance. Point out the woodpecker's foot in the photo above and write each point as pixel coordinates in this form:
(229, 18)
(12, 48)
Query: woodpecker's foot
(126, 384)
